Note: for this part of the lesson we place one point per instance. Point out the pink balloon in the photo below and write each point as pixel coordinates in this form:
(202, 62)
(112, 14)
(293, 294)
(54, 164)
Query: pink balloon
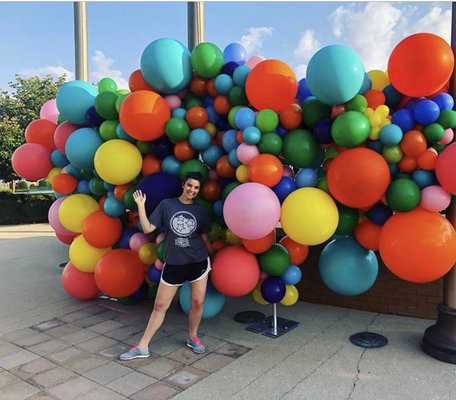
(448, 136)
(78, 284)
(62, 133)
(445, 168)
(158, 264)
(288, 171)
(254, 60)
(49, 111)
(251, 210)
(173, 101)
(32, 161)
(435, 198)
(160, 237)
(53, 218)
(246, 152)
(137, 240)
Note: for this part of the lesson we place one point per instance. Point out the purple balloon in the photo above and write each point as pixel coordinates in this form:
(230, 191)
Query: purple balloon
(273, 289)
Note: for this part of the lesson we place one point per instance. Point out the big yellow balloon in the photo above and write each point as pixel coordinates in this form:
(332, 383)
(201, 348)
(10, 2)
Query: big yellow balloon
(75, 209)
(118, 162)
(309, 216)
(83, 256)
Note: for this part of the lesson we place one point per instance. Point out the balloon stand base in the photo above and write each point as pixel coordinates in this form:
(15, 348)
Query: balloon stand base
(439, 340)
(368, 340)
(266, 326)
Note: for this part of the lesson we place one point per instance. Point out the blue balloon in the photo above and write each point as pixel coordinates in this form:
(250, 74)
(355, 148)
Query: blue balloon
(285, 186)
(179, 113)
(59, 159)
(72, 170)
(394, 169)
(121, 134)
(244, 117)
(211, 155)
(292, 275)
(240, 75)
(366, 85)
(306, 177)
(423, 178)
(81, 146)
(171, 165)
(154, 274)
(108, 186)
(83, 187)
(124, 240)
(229, 141)
(199, 139)
(392, 96)
(166, 65)
(251, 135)
(213, 300)
(335, 74)
(379, 213)
(390, 135)
(74, 99)
(212, 115)
(113, 207)
(404, 119)
(375, 145)
(273, 289)
(346, 268)
(223, 83)
(162, 147)
(426, 112)
(444, 100)
(234, 52)
(217, 207)
(322, 131)
(93, 118)
(233, 158)
(229, 68)
(303, 90)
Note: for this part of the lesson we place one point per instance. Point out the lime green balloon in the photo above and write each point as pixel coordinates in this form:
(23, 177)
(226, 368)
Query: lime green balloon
(392, 154)
(300, 148)
(128, 199)
(108, 128)
(358, 103)
(193, 165)
(228, 188)
(231, 114)
(237, 96)
(143, 147)
(105, 105)
(120, 100)
(313, 111)
(348, 219)
(403, 195)
(107, 85)
(350, 129)
(434, 132)
(447, 119)
(123, 91)
(271, 143)
(177, 129)
(207, 60)
(275, 261)
(267, 120)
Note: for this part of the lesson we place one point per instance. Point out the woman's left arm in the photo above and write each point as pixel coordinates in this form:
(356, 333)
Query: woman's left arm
(207, 242)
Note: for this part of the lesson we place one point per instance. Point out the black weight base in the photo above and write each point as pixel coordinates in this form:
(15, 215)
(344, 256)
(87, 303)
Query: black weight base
(266, 326)
(368, 340)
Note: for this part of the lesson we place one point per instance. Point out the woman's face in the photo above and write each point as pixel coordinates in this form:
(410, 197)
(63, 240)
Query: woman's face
(191, 188)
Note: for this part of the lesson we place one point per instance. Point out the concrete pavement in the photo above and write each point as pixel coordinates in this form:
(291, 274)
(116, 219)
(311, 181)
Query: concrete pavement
(55, 347)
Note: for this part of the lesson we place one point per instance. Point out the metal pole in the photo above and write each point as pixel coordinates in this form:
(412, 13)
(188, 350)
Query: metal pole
(274, 319)
(195, 23)
(439, 340)
(80, 40)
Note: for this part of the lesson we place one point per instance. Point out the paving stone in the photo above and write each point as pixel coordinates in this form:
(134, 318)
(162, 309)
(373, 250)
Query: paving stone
(109, 314)
(166, 345)
(160, 367)
(46, 325)
(186, 377)
(96, 309)
(133, 340)
(41, 396)
(89, 321)
(85, 364)
(105, 326)
(32, 368)
(212, 362)
(73, 389)
(36, 338)
(18, 391)
(78, 337)
(123, 333)
(14, 360)
(63, 356)
(185, 355)
(51, 346)
(115, 350)
(96, 344)
(232, 350)
(130, 319)
(157, 391)
(131, 383)
(102, 393)
(53, 377)
(107, 373)
(18, 334)
(7, 379)
(8, 348)
(63, 330)
(74, 316)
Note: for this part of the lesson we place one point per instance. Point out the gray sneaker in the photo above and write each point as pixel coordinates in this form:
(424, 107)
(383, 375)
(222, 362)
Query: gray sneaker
(195, 344)
(134, 352)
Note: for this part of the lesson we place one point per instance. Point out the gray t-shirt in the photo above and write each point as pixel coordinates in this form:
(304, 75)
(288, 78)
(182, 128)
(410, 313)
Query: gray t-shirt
(182, 225)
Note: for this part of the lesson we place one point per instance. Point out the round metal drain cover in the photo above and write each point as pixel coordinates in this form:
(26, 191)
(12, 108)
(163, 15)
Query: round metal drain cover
(369, 340)
(248, 317)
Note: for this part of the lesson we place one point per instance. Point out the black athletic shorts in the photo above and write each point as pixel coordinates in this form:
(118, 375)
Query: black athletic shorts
(176, 275)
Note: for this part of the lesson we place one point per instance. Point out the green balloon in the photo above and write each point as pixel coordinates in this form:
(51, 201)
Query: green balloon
(447, 119)
(60, 119)
(192, 100)
(126, 301)
(161, 251)
(275, 261)
(331, 152)
(267, 120)
(323, 184)
(439, 147)
(348, 219)
(350, 129)
(120, 100)
(392, 154)
(313, 111)
(401, 175)
(87, 174)
(152, 291)
(403, 195)
(228, 188)
(271, 143)
(206, 205)
(108, 129)
(143, 147)
(434, 132)
(300, 148)
(237, 97)
(215, 232)
(231, 114)
(177, 129)
(128, 199)
(207, 60)
(96, 187)
(358, 103)
(105, 105)
(193, 165)
(107, 85)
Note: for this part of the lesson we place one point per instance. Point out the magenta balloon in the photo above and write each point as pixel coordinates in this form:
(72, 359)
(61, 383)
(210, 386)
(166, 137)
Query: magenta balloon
(137, 240)
(251, 210)
(53, 218)
(49, 111)
(32, 161)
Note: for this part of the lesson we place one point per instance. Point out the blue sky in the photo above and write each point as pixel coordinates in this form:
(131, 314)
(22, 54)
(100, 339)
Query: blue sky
(37, 38)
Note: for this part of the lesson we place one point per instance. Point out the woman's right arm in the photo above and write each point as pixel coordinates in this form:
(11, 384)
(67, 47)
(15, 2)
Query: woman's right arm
(140, 200)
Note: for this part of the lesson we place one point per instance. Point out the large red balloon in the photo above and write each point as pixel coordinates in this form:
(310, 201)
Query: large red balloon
(119, 273)
(32, 161)
(41, 131)
(420, 64)
(418, 246)
(358, 178)
(235, 271)
(78, 284)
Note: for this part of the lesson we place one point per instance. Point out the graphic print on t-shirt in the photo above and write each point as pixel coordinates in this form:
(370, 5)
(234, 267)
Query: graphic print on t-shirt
(183, 224)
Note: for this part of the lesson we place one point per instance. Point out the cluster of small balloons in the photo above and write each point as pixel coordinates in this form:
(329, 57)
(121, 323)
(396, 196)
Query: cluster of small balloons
(360, 160)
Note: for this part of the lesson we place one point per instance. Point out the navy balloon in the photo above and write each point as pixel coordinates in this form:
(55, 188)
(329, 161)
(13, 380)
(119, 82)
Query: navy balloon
(93, 118)
(162, 147)
(273, 289)
(285, 186)
(322, 131)
(379, 213)
(154, 274)
(303, 90)
(124, 240)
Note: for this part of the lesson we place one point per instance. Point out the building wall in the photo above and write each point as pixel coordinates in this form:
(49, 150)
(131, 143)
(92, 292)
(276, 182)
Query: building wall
(389, 294)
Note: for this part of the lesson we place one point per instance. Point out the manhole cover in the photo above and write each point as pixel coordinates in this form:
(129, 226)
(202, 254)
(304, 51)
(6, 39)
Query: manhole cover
(369, 340)
(247, 317)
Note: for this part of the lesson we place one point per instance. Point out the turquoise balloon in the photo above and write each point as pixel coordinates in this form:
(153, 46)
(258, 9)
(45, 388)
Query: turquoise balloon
(335, 74)
(166, 65)
(347, 268)
(74, 99)
(81, 146)
(213, 301)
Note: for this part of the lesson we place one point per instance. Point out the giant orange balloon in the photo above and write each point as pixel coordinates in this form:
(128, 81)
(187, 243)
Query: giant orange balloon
(143, 115)
(266, 169)
(418, 246)
(100, 230)
(271, 84)
(358, 178)
(420, 64)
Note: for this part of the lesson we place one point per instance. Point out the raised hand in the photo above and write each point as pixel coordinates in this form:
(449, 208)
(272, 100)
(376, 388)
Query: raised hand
(139, 197)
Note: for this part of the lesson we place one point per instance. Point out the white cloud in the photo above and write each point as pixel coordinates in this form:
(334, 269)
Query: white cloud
(55, 72)
(253, 40)
(308, 45)
(102, 69)
(300, 71)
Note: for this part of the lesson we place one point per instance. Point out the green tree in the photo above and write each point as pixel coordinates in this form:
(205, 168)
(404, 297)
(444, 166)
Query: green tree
(18, 107)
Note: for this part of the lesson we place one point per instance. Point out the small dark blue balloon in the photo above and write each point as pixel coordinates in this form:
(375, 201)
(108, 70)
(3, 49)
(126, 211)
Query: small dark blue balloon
(392, 96)
(322, 131)
(404, 118)
(229, 68)
(285, 186)
(379, 213)
(375, 145)
(161, 147)
(124, 241)
(303, 90)
(411, 104)
(423, 178)
(93, 118)
(273, 289)
(281, 131)
(154, 274)
(208, 100)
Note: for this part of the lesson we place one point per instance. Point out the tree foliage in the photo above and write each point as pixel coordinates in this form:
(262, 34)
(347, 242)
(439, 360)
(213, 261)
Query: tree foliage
(18, 107)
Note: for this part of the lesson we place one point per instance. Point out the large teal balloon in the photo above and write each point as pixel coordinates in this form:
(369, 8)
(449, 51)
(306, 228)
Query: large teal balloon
(74, 99)
(166, 66)
(335, 74)
(213, 300)
(347, 268)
